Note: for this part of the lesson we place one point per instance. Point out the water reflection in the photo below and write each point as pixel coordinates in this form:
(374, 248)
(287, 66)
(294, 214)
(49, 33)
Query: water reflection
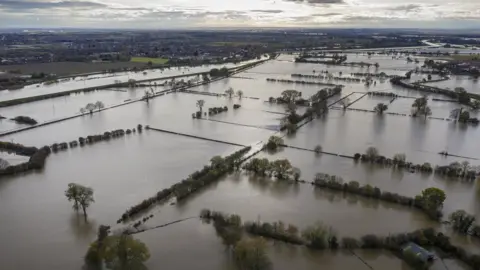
(277, 189)
(378, 126)
(84, 229)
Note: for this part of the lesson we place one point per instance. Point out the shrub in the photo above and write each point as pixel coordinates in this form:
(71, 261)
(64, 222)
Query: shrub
(25, 120)
(274, 142)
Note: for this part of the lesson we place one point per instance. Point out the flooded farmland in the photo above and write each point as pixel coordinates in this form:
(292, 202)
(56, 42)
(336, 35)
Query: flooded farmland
(37, 218)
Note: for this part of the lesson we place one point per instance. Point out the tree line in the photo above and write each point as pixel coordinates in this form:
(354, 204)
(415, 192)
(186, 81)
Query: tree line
(320, 236)
(91, 139)
(430, 200)
(35, 162)
(455, 169)
(218, 167)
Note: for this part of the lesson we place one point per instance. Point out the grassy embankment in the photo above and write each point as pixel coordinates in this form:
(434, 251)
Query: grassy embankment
(155, 61)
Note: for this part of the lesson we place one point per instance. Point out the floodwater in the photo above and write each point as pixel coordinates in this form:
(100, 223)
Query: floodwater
(99, 80)
(469, 83)
(39, 221)
(214, 256)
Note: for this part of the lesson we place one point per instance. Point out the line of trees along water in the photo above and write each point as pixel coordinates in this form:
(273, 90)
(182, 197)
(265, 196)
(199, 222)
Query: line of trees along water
(455, 169)
(35, 162)
(430, 200)
(91, 139)
(197, 180)
(459, 93)
(299, 82)
(322, 237)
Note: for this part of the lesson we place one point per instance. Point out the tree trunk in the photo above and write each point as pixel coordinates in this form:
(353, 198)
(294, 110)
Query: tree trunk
(84, 212)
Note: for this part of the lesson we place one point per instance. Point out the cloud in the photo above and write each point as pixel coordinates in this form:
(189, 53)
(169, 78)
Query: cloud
(326, 14)
(274, 11)
(317, 2)
(406, 8)
(20, 5)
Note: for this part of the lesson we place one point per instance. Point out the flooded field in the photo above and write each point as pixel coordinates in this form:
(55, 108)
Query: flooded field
(124, 171)
(99, 80)
(206, 250)
(469, 83)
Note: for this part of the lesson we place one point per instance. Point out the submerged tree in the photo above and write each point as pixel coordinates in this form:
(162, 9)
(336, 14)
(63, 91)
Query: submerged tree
(426, 111)
(250, 254)
(240, 94)
(461, 221)
(274, 142)
(90, 107)
(99, 105)
(121, 252)
(371, 152)
(282, 168)
(81, 196)
(380, 108)
(200, 104)
(318, 236)
(433, 198)
(399, 158)
(290, 96)
(420, 107)
(229, 92)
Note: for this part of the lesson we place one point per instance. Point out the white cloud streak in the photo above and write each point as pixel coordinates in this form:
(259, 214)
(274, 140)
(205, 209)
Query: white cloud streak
(156, 14)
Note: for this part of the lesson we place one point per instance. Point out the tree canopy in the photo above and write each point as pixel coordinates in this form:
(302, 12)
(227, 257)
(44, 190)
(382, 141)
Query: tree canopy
(290, 96)
(119, 253)
(250, 254)
(433, 198)
(274, 142)
(371, 152)
(80, 195)
(380, 108)
(461, 221)
(200, 104)
(230, 92)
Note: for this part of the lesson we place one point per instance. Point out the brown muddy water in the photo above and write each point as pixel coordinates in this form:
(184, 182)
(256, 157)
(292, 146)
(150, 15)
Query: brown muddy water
(36, 218)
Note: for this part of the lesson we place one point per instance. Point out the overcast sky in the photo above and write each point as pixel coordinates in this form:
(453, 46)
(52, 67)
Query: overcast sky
(160, 14)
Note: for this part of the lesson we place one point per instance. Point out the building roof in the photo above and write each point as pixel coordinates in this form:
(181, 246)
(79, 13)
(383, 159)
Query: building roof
(419, 251)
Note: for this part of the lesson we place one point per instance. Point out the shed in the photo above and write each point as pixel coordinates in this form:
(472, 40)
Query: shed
(419, 251)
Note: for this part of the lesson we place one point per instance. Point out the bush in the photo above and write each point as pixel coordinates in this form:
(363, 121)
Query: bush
(274, 142)
(25, 120)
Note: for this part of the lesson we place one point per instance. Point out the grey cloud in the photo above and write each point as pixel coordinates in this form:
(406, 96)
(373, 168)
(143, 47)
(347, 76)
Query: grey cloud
(326, 14)
(20, 5)
(406, 8)
(363, 18)
(266, 11)
(163, 14)
(317, 2)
